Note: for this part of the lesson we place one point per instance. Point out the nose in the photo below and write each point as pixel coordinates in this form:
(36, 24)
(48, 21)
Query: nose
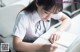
(48, 14)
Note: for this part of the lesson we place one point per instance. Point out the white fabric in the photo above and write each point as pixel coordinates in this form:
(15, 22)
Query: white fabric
(26, 25)
(57, 16)
(40, 27)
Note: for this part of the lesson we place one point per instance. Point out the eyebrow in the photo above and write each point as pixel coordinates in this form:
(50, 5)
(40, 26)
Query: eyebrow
(55, 10)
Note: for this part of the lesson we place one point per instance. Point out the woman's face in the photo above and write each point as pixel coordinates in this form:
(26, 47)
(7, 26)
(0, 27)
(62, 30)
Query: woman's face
(45, 15)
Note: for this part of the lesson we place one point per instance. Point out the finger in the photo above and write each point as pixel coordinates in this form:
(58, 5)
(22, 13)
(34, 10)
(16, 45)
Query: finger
(52, 38)
(58, 37)
(50, 41)
(54, 46)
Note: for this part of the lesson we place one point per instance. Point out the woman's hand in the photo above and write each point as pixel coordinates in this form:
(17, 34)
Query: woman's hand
(55, 36)
(53, 47)
(50, 47)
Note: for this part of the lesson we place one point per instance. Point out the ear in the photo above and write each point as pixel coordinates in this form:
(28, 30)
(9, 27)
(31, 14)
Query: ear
(36, 2)
(37, 5)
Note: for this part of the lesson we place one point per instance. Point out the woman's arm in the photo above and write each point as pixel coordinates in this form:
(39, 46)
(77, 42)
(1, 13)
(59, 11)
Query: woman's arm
(65, 24)
(19, 45)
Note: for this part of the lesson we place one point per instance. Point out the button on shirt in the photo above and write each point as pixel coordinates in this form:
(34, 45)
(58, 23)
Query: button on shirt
(28, 24)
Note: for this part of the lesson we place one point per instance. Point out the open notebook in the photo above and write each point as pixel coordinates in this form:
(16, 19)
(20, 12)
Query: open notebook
(65, 40)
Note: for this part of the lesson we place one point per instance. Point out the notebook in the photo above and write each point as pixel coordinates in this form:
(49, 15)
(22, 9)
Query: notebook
(65, 40)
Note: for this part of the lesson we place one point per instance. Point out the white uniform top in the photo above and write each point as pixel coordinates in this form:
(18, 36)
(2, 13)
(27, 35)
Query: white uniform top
(27, 22)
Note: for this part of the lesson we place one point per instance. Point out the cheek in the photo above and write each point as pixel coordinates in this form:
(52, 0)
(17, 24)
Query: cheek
(41, 13)
(44, 15)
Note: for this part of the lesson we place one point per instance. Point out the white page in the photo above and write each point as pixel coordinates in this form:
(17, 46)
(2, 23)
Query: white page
(65, 40)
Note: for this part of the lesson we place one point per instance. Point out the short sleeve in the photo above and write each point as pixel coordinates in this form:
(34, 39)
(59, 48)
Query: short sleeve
(21, 25)
(58, 16)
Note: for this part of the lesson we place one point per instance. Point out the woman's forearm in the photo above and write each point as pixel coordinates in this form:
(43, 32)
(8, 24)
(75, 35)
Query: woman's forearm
(23, 46)
(65, 24)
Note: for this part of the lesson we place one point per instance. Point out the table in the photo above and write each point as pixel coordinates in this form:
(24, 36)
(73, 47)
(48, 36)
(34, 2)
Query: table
(63, 43)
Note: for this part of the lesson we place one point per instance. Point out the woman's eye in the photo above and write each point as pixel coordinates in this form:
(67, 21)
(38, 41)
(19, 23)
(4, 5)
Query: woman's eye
(46, 12)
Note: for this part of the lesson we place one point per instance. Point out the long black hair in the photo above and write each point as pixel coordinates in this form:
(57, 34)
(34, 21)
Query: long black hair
(47, 5)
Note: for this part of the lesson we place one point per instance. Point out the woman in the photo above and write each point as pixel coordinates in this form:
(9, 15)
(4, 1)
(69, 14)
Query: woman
(35, 20)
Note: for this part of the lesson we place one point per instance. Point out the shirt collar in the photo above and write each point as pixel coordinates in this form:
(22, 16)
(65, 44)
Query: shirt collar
(36, 17)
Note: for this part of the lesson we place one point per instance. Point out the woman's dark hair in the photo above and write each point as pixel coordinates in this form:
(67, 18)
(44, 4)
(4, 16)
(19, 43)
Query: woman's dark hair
(47, 5)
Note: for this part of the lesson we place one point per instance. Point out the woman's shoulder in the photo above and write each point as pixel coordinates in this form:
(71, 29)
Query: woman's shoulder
(22, 13)
(26, 13)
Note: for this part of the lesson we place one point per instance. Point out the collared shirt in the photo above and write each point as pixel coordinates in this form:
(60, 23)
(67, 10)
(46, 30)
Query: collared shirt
(26, 24)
